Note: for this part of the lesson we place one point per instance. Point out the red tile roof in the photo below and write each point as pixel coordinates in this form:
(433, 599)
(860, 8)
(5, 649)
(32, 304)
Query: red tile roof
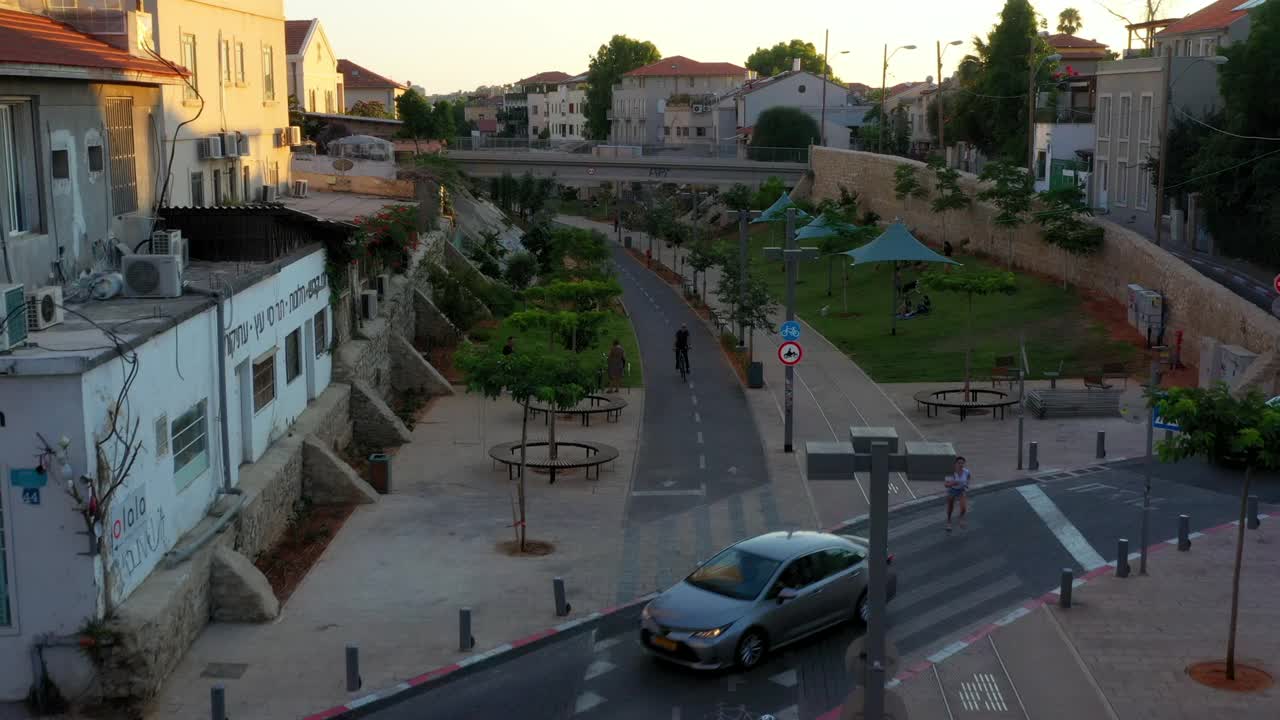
(295, 33)
(1063, 40)
(1211, 17)
(355, 76)
(545, 78)
(487, 125)
(683, 66)
(857, 87)
(38, 40)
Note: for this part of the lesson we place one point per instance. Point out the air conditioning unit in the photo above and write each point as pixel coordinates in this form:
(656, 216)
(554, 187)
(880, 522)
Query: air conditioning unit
(242, 145)
(13, 321)
(230, 144)
(699, 108)
(209, 148)
(152, 276)
(269, 193)
(294, 136)
(369, 304)
(300, 188)
(171, 242)
(44, 308)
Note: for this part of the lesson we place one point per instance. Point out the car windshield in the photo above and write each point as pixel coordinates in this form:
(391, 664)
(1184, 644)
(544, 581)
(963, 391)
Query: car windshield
(735, 573)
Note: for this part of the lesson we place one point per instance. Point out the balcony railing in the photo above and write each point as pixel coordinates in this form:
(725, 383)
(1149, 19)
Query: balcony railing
(1065, 116)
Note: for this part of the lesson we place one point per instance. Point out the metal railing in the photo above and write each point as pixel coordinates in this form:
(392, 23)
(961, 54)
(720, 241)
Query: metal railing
(721, 151)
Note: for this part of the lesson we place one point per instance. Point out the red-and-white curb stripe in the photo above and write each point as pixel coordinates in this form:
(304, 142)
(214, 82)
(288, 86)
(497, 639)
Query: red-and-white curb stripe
(433, 676)
(1025, 609)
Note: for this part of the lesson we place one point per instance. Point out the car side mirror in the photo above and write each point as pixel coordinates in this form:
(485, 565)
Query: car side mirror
(786, 594)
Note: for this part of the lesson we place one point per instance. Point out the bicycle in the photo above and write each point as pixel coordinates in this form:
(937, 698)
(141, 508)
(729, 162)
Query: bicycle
(682, 363)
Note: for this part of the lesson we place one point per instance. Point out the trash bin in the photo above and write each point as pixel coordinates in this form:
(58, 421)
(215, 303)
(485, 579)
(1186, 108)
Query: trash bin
(755, 375)
(626, 241)
(380, 472)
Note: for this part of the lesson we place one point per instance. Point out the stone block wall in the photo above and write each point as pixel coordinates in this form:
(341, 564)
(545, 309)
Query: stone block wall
(1197, 305)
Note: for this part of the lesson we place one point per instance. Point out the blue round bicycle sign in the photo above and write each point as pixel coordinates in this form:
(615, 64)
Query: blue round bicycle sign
(790, 330)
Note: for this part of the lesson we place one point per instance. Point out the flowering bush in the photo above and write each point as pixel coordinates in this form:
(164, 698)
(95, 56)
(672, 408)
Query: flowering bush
(389, 236)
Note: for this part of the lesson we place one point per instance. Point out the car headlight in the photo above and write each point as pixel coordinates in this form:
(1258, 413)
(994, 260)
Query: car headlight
(710, 634)
(645, 614)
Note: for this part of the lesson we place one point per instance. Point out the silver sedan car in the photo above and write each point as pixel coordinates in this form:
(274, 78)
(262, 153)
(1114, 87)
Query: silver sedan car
(758, 595)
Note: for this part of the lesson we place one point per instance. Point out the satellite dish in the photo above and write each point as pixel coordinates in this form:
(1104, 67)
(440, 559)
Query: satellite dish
(343, 164)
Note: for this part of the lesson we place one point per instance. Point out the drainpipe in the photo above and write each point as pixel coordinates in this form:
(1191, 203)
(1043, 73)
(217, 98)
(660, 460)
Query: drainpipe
(222, 390)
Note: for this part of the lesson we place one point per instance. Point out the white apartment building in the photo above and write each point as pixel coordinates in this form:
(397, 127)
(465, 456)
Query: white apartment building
(533, 94)
(798, 89)
(640, 113)
(563, 109)
(314, 79)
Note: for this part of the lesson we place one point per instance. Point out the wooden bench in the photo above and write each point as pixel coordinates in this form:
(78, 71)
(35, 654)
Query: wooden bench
(537, 457)
(1073, 403)
(610, 405)
(1116, 371)
(1003, 370)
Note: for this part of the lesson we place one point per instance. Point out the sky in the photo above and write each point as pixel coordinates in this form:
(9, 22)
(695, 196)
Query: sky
(447, 46)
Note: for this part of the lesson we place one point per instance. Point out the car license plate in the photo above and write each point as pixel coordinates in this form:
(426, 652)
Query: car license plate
(664, 643)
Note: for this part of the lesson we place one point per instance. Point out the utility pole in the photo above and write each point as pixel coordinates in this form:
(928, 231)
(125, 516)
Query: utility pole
(822, 126)
(877, 582)
(884, 101)
(791, 255)
(1032, 69)
(744, 217)
(942, 144)
(1166, 71)
(1147, 470)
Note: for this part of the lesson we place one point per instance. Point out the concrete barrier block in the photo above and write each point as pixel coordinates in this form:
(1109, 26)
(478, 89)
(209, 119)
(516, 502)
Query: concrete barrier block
(828, 460)
(863, 436)
(929, 461)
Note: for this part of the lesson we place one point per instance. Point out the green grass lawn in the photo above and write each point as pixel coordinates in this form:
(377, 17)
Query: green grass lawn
(601, 212)
(617, 326)
(932, 347)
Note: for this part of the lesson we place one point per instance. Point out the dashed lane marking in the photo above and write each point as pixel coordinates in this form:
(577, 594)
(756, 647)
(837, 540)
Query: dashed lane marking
(586, 701)
(786, 678)
(598, 668)
(701, 491)
(702, 462)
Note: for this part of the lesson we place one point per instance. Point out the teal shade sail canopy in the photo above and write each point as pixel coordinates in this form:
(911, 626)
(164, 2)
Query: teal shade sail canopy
(896, 244)
(777, 212)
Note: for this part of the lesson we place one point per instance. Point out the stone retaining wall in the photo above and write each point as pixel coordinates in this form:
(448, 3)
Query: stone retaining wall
(1197, 305)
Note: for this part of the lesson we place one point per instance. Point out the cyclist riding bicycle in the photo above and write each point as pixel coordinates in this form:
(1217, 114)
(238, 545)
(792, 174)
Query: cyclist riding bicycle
(682, 347)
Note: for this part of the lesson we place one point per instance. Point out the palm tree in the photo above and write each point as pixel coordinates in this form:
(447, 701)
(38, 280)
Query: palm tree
(1069, 21)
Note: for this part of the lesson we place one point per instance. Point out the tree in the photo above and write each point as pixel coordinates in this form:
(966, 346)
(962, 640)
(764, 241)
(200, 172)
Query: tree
(560, 380)
(768, 62)
(460, 124)
(621, 55)
(521, 269)
(907, 185)
(416, 114)
(782, 127)
(1151, 10)
(949, 195)
(703, 255)
(971, 283)
(573, 312)
(442, 121)
(992, 110)
(738, 197)
(768, 193)
(369, 108)
(656, 220)
(1221, 427)
(1010, 190)
(1064, 225)
(1069, 21)
(751, 310)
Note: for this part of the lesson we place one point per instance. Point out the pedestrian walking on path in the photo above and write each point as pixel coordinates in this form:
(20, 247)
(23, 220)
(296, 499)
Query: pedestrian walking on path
(617, 365)
(957, 484)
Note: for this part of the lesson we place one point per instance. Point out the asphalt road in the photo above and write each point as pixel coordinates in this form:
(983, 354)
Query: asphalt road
(1017, 541)
(1251, 289)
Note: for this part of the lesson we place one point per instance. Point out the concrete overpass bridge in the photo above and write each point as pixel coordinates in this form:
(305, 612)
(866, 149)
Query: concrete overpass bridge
(584, 169)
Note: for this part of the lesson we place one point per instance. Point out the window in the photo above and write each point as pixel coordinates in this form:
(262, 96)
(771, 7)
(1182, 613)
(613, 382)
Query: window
(226, 62)
(1144, 118)
(1186, 47)
(6, 617)
(248, 190)
(533, 110)
(1102, 175)
(666, 130)
(311, 100)
(322, 331)
(293, 355)
(1122, 182)
(570, 108)
(190, 445)
(1041, 162)
(95, 158)
(217, 188)
(240, 63)
(275, 174)
(1144, 187)
(233, 195)
(189, 62)
(734, 573)
(328, 101)
(264, 381)
(268, 73)
(1104, 117)
(120, 150)
(702, 132)
(835, 560)
(197, 188)
(19, 185)
(801, 89)
(1126, 106)
(1208, 46)
(61, 165)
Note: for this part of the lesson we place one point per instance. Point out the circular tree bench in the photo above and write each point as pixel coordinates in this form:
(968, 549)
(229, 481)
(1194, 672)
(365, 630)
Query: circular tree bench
(975, 401)
(537, 457)
(610, 405)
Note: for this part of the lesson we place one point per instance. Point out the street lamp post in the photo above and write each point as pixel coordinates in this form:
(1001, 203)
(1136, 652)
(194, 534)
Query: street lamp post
(1164, 130)
(1031, 105)
(826, 70)
(942, 144)
(884, 79)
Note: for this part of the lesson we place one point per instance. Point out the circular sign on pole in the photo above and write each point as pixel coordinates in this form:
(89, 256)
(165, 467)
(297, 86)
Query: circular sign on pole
(790, 330)
(1276, 284)
(591, 171)
(789, 353)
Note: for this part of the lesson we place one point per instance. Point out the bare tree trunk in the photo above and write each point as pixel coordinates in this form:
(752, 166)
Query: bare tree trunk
(1009, 234)
(968, 349)
(830, 262)
(524, 447)
(551, 435)
(1235, 575)
(846, 289)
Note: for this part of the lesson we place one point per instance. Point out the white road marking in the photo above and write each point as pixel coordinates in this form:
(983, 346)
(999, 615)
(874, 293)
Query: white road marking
(586, 701)
(955, 605)
(697, 417)
(1017, 695)
(788, 713)
(607, 643)
(1062, 528)
(702, 462)
(598, 668)
(699, 437)
(690, 384)
(669, 493)
(786, 678)
(675, 713)
(943, 692)
(694, 398)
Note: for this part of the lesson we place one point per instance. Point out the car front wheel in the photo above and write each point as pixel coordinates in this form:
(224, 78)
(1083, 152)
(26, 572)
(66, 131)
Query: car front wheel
(751, 649)
(864, 609)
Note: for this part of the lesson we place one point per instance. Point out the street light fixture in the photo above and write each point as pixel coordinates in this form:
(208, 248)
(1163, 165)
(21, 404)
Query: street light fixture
(1164, 131)
(1031, 111)
(942, 145)
(884, 79)
(826, 67)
